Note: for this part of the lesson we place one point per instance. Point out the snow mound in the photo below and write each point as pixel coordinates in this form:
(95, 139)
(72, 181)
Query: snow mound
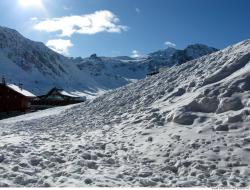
(186, 126)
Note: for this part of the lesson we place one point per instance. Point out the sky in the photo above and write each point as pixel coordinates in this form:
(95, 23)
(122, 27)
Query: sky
(127, 27)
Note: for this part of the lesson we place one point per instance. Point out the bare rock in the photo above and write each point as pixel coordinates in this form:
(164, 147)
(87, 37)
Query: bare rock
(246, 149)
(91, 165)
(246, 140)
(186, 163)
(179, 92)
(1, 158)
(205, 105)
(221, 128)
(184, 118)
(192, 84)
(145, 174)
(234, 119)
(147, 183)
(15, 168)
(58, 159)
(88, 181)
(24, 165)
(3, 184)
(170, 168)
(150, 139)
(110, 161)
(228, 104)
(86, 156)
(35, 161)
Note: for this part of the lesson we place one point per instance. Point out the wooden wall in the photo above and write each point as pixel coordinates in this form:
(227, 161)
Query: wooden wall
(10, 100)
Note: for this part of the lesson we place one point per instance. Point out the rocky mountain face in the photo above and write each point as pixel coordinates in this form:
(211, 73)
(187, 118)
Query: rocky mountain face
(138, 68)
(191, 52)
(40, 69)
(30, 55)
(184, 127)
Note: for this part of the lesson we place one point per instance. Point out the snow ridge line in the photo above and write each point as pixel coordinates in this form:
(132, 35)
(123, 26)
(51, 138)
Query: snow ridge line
(228, 70)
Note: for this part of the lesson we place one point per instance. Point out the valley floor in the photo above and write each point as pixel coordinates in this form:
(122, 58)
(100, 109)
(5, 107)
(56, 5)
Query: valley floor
(35, 153)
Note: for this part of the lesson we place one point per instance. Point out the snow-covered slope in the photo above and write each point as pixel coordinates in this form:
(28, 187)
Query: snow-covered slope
(39, 68)
(137, 68)
(186, 126)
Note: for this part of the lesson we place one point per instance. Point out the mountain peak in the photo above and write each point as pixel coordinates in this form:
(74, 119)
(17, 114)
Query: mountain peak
(197, 50)
(93, 56)
(40, 68)
(200, 47)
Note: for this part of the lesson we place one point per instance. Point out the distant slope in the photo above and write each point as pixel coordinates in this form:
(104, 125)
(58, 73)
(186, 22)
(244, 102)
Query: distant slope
(40, 68)
(131, 68)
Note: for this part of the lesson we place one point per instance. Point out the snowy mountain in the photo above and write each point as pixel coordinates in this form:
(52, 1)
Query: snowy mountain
(186, 126)
(191, 52)
(137, 68)
(40, 69)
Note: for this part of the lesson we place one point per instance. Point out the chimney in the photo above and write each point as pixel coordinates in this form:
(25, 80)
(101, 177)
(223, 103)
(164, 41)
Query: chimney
(3, 81)
(20, 86)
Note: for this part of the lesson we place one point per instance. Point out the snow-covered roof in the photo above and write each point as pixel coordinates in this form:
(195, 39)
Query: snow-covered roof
(20, 90)
(68, 94)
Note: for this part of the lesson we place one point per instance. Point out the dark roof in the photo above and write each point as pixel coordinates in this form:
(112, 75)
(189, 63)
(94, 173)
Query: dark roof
(62, 93)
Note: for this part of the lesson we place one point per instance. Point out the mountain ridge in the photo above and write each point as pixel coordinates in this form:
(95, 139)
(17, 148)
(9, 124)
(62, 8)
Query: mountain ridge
(41, 68)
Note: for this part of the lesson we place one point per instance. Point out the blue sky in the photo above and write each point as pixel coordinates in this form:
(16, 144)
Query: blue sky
(120, 27)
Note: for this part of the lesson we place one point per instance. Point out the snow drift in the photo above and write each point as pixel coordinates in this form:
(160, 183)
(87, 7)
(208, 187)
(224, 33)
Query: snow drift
(186, 126)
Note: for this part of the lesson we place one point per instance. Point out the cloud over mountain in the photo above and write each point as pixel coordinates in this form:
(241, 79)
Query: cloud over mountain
(99, 21)
(170, 44)
(59, 45)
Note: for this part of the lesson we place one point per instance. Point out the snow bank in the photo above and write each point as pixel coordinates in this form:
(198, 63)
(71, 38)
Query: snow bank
(186, 126)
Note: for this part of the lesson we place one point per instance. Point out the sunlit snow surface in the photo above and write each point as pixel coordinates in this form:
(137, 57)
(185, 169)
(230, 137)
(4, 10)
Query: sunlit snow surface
(187, 126)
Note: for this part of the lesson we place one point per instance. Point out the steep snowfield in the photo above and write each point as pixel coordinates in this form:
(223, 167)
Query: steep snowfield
(187, 126)
(39, 68)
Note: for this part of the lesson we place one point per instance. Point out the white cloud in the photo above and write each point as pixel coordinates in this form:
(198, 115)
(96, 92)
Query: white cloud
(33, 18)
(59, 45)
(31, 3)
(170, 44)
(135, 54)
(99, 21)
(137, 10)
(66, 8)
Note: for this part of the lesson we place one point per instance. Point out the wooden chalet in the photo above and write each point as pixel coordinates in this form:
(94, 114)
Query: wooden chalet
(14, 98)
(57, 97)
(153, 73)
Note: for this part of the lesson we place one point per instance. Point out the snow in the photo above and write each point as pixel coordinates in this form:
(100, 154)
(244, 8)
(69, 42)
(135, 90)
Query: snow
(20, 90)
(41, 69)
(184, 127)
(67, 94)
(38, 114)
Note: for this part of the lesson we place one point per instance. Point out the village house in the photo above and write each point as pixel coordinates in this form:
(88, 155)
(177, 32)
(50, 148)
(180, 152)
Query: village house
(152, 73)
(14, 98)
(57, 97)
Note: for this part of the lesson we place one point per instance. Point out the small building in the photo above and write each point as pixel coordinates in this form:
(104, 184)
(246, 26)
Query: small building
(153, 73)
(57, 97)
(14, 98)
